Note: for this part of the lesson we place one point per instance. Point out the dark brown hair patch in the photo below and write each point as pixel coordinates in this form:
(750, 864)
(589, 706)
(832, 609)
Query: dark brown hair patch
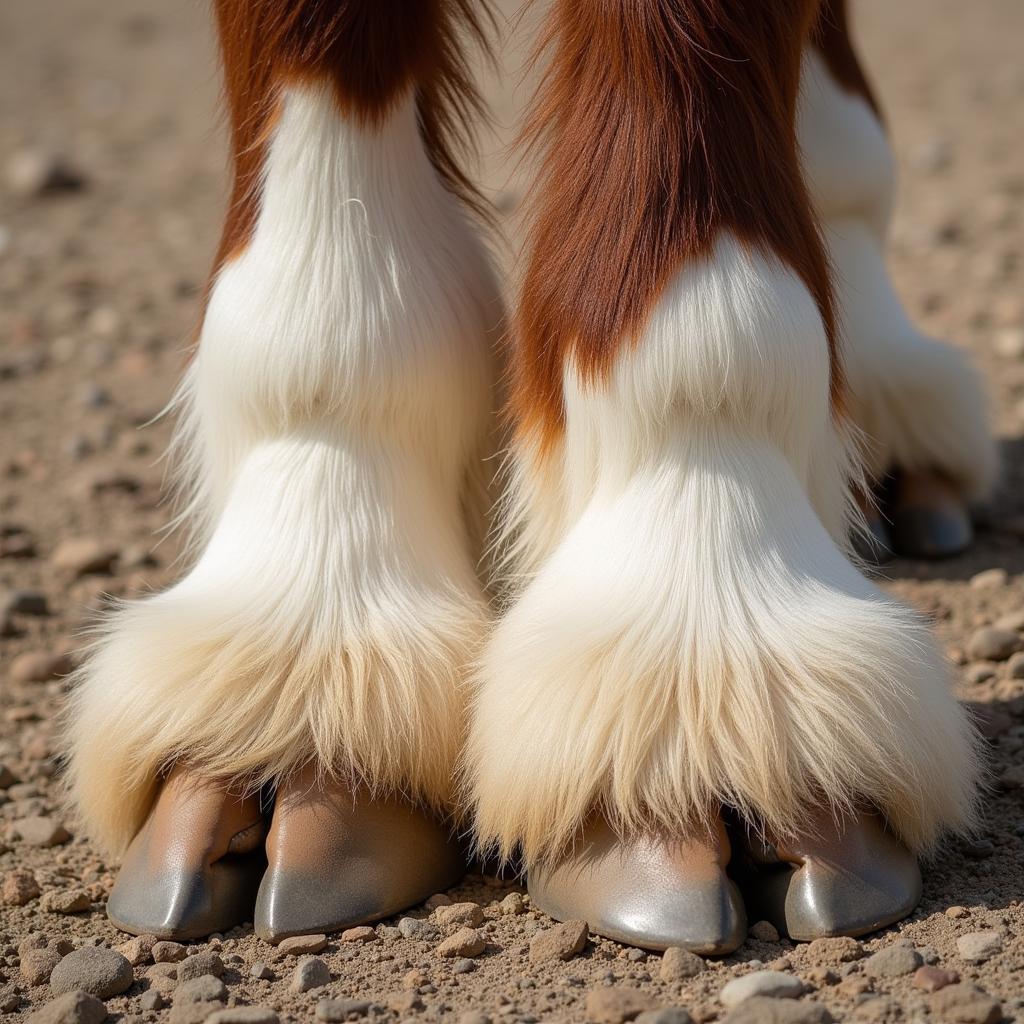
(661, 124)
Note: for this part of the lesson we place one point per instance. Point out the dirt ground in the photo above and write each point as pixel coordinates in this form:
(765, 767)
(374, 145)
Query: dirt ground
(111, 186)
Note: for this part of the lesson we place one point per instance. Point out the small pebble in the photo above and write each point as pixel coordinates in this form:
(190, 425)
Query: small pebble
(198, 964)
(457, 915)
(83, 555)
(466, 942)
(764, 1010)
(39, 667)
(204, 989)
(990, 643)
(614, 1005)
(151, 999)
(931, 979)
(138, 950)
(71, 1008)
(166, 952)
(512, 905)
(364, 933)
(261, 970)
(310, 972)
(772, 984)
(100, 972)
(36, 965)
(560, 942)
(301, 945)
(667, 1015)
(678, 964)
(964, 1004)
(892, 962)
(244, 1015)
(68, 901)
(764, 931)
(334, 1010)
(977, 947)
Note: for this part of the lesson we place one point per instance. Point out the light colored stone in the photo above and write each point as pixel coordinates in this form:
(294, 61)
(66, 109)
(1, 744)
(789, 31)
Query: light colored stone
(977, 947)
(764, 1010)
(838, 949)
(512, 905)
(310, 973)
(81, 556)
(892, 962)
(36, 965)
(100, 972)
(302, 945)
(71, 1008)
(467, 942)
(363, 933)
(39, 667)
(770, 984)
(560, 942)
(459, 915)
(616, 1004)
(989, 579)
(166, 952)
(666, 1015)
(204, 989)
(198, 964)
(68, 901)
(335, 1010)
(931, 979)
(678, 964)
(244, 1015)
(964, 1004)
(991, 643)
(138, 950)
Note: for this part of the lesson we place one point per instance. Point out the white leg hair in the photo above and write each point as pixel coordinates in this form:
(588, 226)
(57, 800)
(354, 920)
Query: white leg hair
(333, 421)
(692, 634)
(918, 401)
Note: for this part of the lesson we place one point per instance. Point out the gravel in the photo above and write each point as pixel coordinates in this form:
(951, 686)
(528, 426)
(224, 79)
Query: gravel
(310, 972)
(560, 942)
(71, 1008)
(770, 984)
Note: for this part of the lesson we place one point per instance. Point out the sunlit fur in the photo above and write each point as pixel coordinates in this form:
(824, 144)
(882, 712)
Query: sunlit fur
(693, 635)
(917, 400)
(334, 421)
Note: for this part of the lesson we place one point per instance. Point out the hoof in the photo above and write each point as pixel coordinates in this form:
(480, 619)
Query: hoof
(338, 859)
(195, 865)
(849, 878)
(646, 891)
(929, 518)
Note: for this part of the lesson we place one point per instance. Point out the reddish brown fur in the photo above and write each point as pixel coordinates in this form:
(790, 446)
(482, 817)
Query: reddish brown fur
(833, 39)
(664, 123)
(370, 51)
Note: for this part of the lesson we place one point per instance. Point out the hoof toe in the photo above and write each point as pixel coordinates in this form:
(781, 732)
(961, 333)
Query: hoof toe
(337, 860)
(842, 881)
(647, 891)
(929, 518)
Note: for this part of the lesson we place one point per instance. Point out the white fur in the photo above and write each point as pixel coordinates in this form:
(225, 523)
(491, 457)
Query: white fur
(693, 635)
(917, 400)
(333, 421)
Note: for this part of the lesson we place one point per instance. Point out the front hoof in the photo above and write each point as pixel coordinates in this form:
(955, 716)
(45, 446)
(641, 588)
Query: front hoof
(195, 865)
(648, 891)
(929, 518)
(338, 859)
(849, 878)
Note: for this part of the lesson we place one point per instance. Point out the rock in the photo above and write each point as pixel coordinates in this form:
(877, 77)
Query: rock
(838, 949)
(561, 942)
(93, 969)
(41, 831)
(84, 555)
(333, 1010)
(466, 942)
(957, 912)
(32, 173)
(980, 673)
(991, 643)
(964, 1004)
(261, 970)
(197, 965)
(403, 1002)
(931, 979)
(138, 950)
(1009, 343)
(678, 964)
(302, 945)
(459, 915)
(7, 777)
(19, 887)
(70, 1008)
(770, 984)
(414, 928)
(204, 989)
(668, 1015)
(615, 1005)
(24, 602)
(151, 999)
(68, 901)
(977, 947)
(36, 965)
(364, 933)
(244, 1015)
(892, 962)
(310, 972)
(764, 931)
(764, 1010)
(474, 1017)
(1015, 666)
(989, 579)
(512, 905)
(39, 667)
(463, 966)
(167, 952)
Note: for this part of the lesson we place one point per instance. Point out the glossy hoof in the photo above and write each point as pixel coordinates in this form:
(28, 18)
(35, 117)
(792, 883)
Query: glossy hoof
(846, 879)
(929, 518)
(195, 865)
(338, 859)
(646, 891)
